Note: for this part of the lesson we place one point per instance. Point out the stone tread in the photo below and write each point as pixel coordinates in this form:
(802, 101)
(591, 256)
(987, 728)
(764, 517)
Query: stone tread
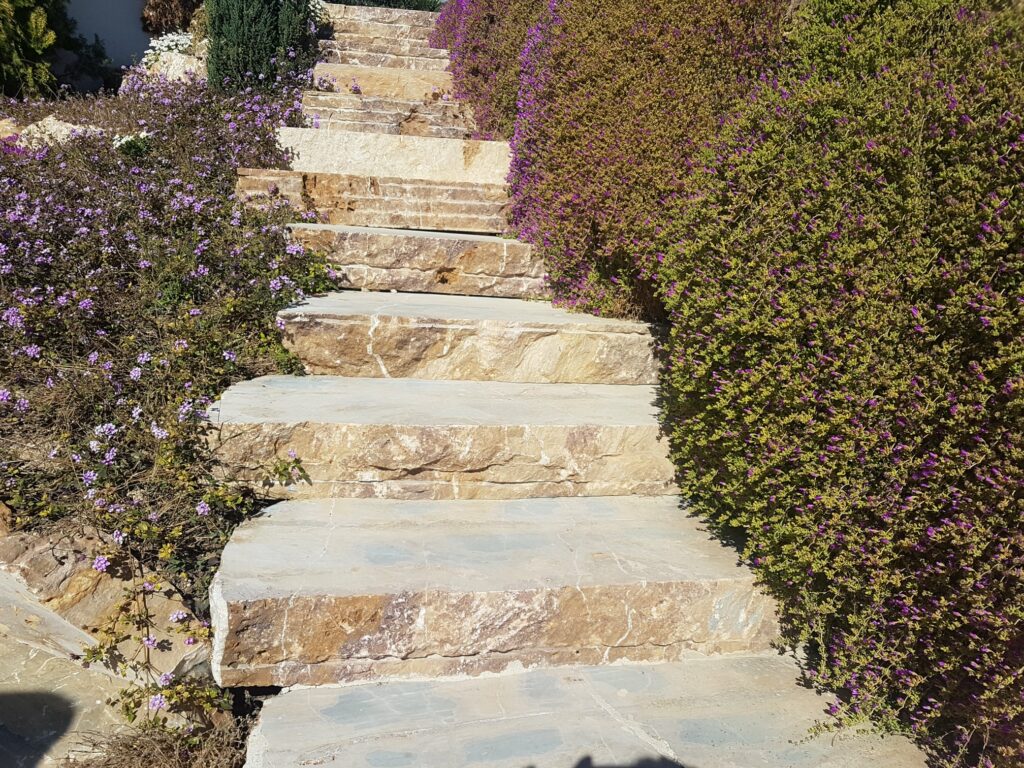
(432, 336)
(414, 158)
(379, 588)
(721, 712)
(418, 402)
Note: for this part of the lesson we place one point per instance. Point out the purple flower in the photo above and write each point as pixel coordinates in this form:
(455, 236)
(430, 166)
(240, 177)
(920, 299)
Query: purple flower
(158, 432)
(166, 679)
(178, 616)
(89, 477)
(202, 509)
(149, 641)
(119, 538)
(157, 702)
(230, 356)
(135, 374)
(100, 563)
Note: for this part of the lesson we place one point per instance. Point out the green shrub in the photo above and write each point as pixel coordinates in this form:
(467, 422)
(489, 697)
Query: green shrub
(29, 31)
(162, 16)
(254, 41)
(844, 271)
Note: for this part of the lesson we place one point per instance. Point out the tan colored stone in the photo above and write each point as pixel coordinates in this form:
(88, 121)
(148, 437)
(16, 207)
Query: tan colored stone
(459, 588)
(51, 131)
(382, 202)
(57, 569)
(408, 438)
(389, 82)
(389, 23)
(438, 118)
(176, 66)
(465, 338)
(350, 49)
(9, 128)
(430, 262)
(412, 158)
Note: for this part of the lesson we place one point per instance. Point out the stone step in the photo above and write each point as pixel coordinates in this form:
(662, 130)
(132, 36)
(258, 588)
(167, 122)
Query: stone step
(388, 82)
(343, 51)
(431, 262)
(394, 23)
(717, 712)
(411, 438)
(382, 202)
(351, 41)
(430, 336)
(343, 590)
(404, 157)
(347, 111)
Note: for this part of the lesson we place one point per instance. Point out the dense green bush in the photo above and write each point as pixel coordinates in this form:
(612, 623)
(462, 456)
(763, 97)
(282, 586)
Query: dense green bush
(254, 41)
(844, 272)
(162, 16)
(29, 31)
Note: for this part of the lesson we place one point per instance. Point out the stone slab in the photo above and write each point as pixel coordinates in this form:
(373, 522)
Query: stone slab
(411, 438)
(437, 118)
(350, 50)
(47, 699)
(401, 17)
(406, 157)
(390, 82)
(718, 712)
(379, 259)
(352, 589)
(428, 336)
(374, 201)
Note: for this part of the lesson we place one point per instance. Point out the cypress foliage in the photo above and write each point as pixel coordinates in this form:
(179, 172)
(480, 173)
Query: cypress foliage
(252, 41)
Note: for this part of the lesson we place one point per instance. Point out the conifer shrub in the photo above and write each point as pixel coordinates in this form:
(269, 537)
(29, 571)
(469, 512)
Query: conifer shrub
(843, 270)
(254, 41)
(29, 31)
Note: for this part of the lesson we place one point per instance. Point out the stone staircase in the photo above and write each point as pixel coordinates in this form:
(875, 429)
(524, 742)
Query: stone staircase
(491, 565)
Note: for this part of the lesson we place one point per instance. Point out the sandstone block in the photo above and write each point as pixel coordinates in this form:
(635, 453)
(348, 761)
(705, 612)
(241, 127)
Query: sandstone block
(347, 589)
(405, 157)
(409, 438)
(428, 262)
(725, 712)
(402, 335)
(389, 82)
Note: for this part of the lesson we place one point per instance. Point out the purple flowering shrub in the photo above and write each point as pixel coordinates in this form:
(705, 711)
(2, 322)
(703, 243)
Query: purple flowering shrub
(134, 288)
(611, 98)
(843, 268)
(485, 38)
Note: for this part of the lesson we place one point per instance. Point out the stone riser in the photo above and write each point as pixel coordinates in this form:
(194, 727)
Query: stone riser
(332, 55)
(424, 348)
(344, 27)
(383, 261)
(386, 82)
(319, 640)
(458, 462)
(327, 185)
(392, 128)
(370, 44)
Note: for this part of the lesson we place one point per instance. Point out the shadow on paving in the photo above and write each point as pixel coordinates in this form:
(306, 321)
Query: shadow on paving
(31, 722)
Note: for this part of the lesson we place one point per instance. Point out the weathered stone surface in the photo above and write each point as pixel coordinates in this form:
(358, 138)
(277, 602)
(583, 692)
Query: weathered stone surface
(9, 128)
(51, 131)
(348, 589)
(407, 157)
(425, 336)
(725, 712)
(391, 23)
(47, 700)
(389, 82)
(431, 262)
(382, 202)
(176, 66)
(57, 569)
(408, 438)
(438, 118)
(367, 51)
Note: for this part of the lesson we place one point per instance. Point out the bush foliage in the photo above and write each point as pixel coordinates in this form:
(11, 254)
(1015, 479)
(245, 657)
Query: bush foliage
(254, 41)
(29, 31)
(162, 16)
(823, 200)
(134, 288)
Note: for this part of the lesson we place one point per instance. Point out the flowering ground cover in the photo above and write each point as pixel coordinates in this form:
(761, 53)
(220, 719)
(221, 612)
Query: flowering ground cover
(134, 288)
(832, 228)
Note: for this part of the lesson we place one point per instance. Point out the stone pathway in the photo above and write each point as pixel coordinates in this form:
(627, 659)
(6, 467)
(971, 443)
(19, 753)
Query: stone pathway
(491, 566)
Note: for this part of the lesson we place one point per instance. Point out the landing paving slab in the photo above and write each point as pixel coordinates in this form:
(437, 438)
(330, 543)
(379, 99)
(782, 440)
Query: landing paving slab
(329, 591)
(389, 82)
(429, 336)
(411, 438)
(379, 259)
(718, 712)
